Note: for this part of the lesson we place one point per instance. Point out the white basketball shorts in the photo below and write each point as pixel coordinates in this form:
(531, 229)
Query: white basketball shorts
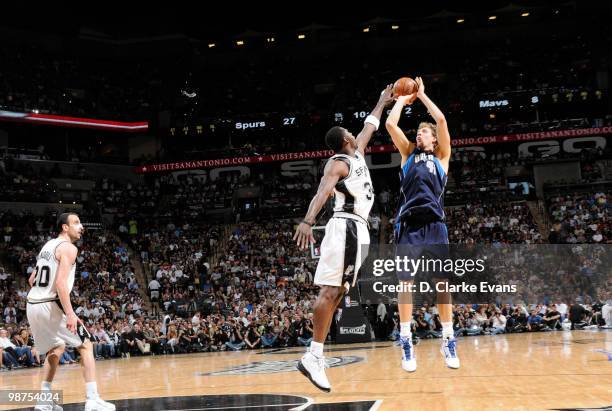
(48, 324)
(343, 249)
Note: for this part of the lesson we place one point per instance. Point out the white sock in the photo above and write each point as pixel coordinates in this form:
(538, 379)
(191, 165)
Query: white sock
(447, 330)
(92, 390)
(45, 386)
(316, 348)
(405, 330)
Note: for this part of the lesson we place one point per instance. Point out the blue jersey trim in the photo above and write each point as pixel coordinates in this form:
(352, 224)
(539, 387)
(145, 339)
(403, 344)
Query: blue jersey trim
(446, 231)
(439, 167)
(407, 165)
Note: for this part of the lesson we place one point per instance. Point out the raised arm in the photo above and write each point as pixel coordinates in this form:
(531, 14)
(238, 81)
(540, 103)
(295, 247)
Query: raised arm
(334, 171)
(443, 136)
(364, 136)
(400, 140)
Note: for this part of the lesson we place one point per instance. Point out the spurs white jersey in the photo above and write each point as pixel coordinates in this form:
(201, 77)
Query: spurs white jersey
(46, 270)
(354, 193)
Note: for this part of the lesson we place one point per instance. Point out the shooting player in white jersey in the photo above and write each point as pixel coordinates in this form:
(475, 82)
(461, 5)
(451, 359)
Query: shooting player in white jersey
(346, 178)
(52, 319)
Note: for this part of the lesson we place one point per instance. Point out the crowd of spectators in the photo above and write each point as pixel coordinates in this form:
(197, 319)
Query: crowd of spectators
(259, 293)
(494, 221)
(27, 186)
(580, 217)
(488, 220)
(492, 319)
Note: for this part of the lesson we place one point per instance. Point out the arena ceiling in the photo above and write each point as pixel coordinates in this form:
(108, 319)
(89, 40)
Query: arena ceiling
(200, 21)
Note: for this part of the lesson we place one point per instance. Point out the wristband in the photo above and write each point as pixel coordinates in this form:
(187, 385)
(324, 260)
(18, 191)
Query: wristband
(307, 223)
(373, 120)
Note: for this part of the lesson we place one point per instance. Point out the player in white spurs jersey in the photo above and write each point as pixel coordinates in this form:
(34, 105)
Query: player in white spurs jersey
(347, 179)
(52, 319)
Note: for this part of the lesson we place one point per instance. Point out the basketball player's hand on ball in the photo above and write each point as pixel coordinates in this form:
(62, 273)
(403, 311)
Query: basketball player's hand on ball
(421, 89)
(71, 322)
(303, 235)
(407, 99)
(386, 96)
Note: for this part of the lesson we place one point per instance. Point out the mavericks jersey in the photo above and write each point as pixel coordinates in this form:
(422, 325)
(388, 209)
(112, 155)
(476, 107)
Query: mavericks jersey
(44, 288)
(354, 193)
(422, 183)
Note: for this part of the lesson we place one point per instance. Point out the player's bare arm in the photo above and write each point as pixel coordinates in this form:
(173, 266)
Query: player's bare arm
(404, 146)
(364, 136)
(443, 136)
(66, 254)
(32, 278)
(334, 171)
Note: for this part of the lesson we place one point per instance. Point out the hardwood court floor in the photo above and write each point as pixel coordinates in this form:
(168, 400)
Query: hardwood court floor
(553, 370)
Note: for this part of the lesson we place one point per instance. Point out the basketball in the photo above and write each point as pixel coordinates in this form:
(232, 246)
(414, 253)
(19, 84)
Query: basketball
(404, 86)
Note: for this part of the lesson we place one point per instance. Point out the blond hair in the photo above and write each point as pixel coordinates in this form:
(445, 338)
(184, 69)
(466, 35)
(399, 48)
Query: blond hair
(434, 132)
(431, 126)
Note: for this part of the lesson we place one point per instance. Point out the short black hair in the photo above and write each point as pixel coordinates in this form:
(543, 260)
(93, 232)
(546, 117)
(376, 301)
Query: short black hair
(335, 138)
(63, 219)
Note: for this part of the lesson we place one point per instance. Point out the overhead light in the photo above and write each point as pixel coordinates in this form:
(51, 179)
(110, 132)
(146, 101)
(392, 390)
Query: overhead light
(186, 93)
(211, 45)
(301, 36)
(240, 43)
(366, 30)
(270, 39)
(492, 17)
(460, 21)
(394, 27)
(525, 14)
